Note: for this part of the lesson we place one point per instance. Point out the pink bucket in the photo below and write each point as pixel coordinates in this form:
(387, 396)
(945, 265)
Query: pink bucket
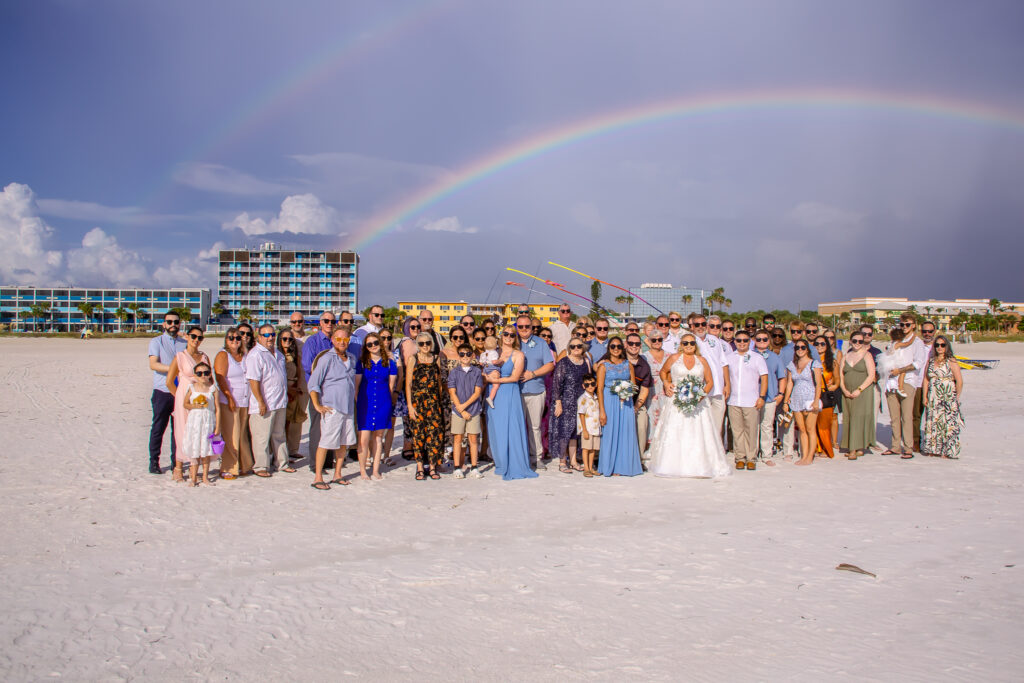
(216, 444)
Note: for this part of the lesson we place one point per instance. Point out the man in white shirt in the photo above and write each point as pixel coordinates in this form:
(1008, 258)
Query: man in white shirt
(374, 323)
(669, 346)
(268, 381)
(713, 351)
(748, 379)
(901, 409)
(674, 333)
(927, 338)
(561, 329)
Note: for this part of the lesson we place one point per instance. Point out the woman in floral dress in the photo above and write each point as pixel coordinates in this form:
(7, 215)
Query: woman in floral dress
(942, 421)
(426, 408)
(566, 389)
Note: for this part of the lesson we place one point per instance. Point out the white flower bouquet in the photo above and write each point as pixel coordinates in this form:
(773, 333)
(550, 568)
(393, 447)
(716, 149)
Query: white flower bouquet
(689, 392)
(624, 389)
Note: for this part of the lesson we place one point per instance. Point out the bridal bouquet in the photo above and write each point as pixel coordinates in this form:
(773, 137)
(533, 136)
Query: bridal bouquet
(624, 389)
(689, 392)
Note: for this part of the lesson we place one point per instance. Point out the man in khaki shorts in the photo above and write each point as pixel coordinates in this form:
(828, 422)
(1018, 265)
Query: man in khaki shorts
(466, 386)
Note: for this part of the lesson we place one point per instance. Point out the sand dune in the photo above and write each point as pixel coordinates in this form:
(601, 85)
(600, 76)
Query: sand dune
(112, 573)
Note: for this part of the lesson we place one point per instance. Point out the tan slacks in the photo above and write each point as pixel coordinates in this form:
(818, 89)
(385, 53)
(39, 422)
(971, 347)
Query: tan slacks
(744, 423)
(901, 415)
(766, 446)
(237, 456)
(533, 406)
(642, 427)
(269, 439)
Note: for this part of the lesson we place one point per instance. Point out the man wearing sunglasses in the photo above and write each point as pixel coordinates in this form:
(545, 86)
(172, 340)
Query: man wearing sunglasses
(162, 351)
(928, 339)
(438, 341)
(642, 399)
(561, 329)
(773, 396)
(332, 391)
(748, 379)
(374, 323)
(599, 344)
(297, 324)
(539, 362)
(674, 331)
(268, 383)
(714, 352)
(901, 409)
(314, 345)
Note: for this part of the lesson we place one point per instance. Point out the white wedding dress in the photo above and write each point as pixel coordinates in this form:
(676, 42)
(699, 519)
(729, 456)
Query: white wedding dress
(687, 445)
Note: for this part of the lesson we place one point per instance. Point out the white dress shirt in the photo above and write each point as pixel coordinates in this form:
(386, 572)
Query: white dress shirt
(920, 353)
(561, 334)
(714, 351)
(745, 373)
(267, 368)
(671, 342)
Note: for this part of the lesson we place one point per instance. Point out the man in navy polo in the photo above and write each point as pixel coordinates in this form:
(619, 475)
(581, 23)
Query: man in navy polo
(539, 362)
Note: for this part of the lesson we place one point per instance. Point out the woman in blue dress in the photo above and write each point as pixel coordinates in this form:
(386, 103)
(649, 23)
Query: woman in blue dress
(620, 451)
(506, 423)
(376, 374)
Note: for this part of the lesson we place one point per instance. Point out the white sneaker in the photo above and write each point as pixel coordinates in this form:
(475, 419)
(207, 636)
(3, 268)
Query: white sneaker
(476, 474)
(459, 474)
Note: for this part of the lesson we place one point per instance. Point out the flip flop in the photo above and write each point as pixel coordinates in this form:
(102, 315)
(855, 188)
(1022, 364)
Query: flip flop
(289, 469)
(906, 456)
(340, 482)
(435, 476)
(320, 486)
(889, 452)
(263, 473)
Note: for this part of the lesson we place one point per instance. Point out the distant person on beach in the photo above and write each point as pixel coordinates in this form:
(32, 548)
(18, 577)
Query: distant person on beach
(162, 350)
(180, 376)
(943, 384)
(268, 383)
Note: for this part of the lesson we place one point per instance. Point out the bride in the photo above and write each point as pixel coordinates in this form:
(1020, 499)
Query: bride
(687, 445)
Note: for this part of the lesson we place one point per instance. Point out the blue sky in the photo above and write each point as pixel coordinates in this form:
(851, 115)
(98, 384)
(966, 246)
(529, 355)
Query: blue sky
(140, 137)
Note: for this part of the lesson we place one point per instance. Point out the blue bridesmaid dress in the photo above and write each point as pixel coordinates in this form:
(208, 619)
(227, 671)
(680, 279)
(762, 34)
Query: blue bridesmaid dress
(506, 430)
(620, 451)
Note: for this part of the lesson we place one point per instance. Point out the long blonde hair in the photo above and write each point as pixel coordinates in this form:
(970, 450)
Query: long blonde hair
(515, 336)
(696, 346)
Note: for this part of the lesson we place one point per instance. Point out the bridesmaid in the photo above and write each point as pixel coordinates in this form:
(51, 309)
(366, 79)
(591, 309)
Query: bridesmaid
(942, 386)
(620, 451)
(378, 373)
(855, 380)
(506, 423)
(180, 376)
(236, 460)
(566, 389)
(423, 391)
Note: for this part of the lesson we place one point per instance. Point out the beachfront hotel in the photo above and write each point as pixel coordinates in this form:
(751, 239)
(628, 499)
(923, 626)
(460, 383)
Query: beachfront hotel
(665, 297)
(447, 313)
(58, 308)
(271, 282)
(941, 311)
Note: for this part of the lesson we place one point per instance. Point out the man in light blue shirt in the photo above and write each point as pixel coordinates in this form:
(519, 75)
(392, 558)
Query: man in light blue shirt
(776, 389)
(162, 350)
(599, 344)
(313, 346)
(539, 362)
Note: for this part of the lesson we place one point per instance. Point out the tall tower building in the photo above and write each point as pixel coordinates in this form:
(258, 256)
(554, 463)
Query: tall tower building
(301, 280)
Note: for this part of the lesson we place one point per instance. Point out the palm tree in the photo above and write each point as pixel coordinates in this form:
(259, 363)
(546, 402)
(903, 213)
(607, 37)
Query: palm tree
(185, 313)
(122, 315)
(245, 315)
(217, 310)
(268, 308)
(687, 298)
(86, 309)
(628, 300)
(595, 294)
(135, 309)
(994, 304)
(40, 310)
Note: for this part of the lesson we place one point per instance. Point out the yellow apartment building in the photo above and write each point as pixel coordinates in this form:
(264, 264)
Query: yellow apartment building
(447, 313)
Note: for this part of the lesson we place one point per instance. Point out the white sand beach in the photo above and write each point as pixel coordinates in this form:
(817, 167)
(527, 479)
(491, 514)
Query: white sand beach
(111, 573)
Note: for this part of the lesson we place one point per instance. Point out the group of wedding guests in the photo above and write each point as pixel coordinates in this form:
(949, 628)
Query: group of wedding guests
(596, 400)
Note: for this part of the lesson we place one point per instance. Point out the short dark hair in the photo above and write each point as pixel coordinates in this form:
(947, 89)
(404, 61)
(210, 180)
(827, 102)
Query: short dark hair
(464, 347)
(172, 311)
(193, 327)
(588, 378)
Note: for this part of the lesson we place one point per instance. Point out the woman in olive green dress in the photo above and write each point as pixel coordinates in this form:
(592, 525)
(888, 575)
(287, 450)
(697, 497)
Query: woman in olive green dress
(855, 380)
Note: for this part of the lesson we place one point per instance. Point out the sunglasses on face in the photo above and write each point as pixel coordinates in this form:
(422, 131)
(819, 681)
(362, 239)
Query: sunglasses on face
(525, 327)
(286, 339)
(489, 327)
(196, 336)
(940, 345)
(742, 340)
(268, 335)
(245, 334)
(344, 321)
(830, 337)
(465, 354)
(750, 326)
(234, 337)
(675, 320)
(654, 340)
(821, 344)
(385, 337)
(203, 373)
(601, 328)
(508, 334)
(778, 335)
(631, 344)
(727, 329)
(372, 344)
(615, 347)
(688, 343)
(796, 331)
(696, 324)
(712, 326)
(414, 327)
(546, 337)
(297, 322)
(480, 338)
(172, 323)
(760, 339)
(800, 347)
(329, 321)
(590, 383)
(377, 315)
(427, 320)
(856, 341)
(869, 334)
(925, 331)
(564, 310)
(467, 324)
(574, 347)
(423, 343)
(906, 324)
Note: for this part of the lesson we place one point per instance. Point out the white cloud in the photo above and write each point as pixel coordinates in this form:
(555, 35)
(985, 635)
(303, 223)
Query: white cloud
(300, 214)
(99, 213)
(447, 224)
(820, 216)
(24, 258)
(217, 178)
(99, 262)
(588, 216)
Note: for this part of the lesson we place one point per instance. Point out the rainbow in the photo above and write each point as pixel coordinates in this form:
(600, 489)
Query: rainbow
(281, 93)
(709, 104)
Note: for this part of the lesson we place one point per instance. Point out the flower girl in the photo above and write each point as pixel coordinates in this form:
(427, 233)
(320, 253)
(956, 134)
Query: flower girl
(203, 422)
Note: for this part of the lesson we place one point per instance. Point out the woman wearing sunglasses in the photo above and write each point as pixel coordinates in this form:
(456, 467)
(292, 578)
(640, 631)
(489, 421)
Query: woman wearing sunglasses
(565, 392)
(405, 350)
(399, 408)
(856, 380)
(298, 395)
(803, 398)
(620, 451)
(424, 393)
(236, 460)
(506, 422)
(687, 443)
(943, 383)
(182, 369)
(373, 401)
